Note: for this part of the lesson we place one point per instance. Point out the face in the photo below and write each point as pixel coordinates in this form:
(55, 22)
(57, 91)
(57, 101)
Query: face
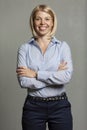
(43, 23)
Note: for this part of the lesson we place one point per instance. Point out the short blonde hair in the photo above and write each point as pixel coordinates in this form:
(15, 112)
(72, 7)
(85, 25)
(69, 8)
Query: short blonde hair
(48, 10)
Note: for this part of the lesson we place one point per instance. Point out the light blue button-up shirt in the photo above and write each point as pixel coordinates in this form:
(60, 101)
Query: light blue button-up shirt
(49, 81)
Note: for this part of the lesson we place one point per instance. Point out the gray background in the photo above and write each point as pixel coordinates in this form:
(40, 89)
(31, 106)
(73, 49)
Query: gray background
(14, 31)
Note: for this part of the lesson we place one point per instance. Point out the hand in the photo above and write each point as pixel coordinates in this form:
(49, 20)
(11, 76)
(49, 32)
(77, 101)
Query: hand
(63, 66)
(26, 72)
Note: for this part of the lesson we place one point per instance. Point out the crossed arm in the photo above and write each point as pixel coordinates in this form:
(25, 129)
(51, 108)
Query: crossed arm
(26, 72)
(29, 78)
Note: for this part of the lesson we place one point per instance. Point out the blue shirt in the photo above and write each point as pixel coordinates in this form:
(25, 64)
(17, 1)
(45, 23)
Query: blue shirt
(49, 81)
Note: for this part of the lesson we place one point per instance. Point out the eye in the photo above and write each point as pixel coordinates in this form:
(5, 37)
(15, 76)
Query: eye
(47, 19)
(37, 19)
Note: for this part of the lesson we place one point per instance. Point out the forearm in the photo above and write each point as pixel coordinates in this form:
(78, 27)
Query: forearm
(31, 83)
(27, 78)
(59, 77)
(36, 80)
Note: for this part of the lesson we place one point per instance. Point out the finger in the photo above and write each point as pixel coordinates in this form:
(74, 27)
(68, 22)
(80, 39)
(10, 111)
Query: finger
(18, 70)
(21, 73)
(62, 67)
(63, 63)
(22, 67)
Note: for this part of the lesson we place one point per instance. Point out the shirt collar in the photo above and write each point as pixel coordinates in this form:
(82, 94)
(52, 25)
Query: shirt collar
(54, 40)
(31, 40)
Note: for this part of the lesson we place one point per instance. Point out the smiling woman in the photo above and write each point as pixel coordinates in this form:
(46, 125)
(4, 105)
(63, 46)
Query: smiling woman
(44, 67)
(43, 14)
(43, 23)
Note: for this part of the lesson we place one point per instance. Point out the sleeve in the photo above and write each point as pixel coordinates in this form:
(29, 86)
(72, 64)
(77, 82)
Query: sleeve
(26, 82)
(59, 77)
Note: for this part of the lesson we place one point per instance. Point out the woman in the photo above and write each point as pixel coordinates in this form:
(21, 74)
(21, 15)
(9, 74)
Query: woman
(44, 67)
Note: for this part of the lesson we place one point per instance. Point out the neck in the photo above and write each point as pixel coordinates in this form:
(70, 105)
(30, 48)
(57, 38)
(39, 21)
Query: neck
(43, 40)
(43, 43)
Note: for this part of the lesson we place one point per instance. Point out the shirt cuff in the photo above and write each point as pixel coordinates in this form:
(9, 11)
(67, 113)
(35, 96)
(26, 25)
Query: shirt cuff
(43, 75)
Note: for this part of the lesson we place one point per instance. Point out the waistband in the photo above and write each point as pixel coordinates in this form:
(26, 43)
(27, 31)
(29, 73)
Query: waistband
(55, 98)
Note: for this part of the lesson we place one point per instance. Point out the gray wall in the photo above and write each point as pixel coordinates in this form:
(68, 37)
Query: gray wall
(14, 30)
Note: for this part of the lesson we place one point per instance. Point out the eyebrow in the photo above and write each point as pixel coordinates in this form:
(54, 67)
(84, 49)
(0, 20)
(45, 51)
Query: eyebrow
(45, 17)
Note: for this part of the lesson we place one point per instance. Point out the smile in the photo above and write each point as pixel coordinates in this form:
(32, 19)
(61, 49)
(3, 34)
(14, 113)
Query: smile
(42, 28)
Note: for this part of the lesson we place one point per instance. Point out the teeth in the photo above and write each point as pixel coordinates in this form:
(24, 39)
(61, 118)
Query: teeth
(43, 28)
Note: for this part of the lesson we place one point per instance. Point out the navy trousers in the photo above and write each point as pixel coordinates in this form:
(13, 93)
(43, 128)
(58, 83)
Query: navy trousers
(36, 114)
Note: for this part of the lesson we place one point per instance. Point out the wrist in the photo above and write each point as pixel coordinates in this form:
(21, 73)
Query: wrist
(35, 74)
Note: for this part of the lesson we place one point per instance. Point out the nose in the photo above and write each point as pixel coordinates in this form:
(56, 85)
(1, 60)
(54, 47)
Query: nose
(42, 21)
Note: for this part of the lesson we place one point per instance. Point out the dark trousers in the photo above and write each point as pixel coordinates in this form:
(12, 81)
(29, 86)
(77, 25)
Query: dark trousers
(57, 114)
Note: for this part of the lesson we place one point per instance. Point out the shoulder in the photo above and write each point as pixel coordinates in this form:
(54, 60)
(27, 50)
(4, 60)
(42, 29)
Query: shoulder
(25, 46)
(65, 44)
(62, 44)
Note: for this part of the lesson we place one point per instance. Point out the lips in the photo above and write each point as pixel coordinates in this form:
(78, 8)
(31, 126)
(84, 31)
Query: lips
(42, 28)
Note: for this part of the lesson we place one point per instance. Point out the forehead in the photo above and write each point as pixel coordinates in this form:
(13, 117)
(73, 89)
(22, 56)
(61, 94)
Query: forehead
(42, 14)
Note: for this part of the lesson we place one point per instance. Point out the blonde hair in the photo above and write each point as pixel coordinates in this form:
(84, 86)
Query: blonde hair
(48, 10)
